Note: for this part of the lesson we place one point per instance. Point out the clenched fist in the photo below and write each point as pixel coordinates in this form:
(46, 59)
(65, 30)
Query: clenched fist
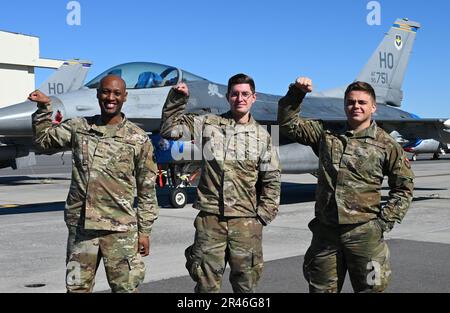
(39, 97)
(304, 84)
(182, 88)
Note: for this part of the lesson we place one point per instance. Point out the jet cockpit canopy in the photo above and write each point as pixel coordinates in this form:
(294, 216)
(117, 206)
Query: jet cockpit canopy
(139, 75)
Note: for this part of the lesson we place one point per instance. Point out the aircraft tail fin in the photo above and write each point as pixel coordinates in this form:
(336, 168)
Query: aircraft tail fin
(69, 77)
(386, 68)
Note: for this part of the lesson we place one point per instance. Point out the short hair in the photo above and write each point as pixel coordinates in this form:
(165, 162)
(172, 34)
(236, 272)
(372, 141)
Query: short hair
(241, 79)
(361, 86)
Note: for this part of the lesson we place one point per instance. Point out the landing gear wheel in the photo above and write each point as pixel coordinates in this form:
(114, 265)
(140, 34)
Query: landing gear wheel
(178, 198)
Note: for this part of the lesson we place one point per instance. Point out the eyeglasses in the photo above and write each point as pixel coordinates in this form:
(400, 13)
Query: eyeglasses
(245, 94)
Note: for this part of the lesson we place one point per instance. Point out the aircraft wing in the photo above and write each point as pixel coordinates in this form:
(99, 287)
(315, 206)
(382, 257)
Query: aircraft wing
(410, 128)
(438, 129)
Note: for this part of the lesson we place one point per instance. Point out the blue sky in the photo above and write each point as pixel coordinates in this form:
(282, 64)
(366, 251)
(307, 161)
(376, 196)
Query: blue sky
(273, 41)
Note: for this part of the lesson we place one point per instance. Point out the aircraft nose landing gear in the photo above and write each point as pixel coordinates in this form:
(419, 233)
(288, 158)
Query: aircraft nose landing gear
(178, 197)
(177, 181)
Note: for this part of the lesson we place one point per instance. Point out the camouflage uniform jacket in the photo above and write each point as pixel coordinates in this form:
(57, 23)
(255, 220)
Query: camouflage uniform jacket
(352, 166)
(109, 164)
(240, 174)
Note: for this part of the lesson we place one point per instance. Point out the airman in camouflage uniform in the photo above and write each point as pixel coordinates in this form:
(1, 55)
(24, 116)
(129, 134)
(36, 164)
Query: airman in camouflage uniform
(111, 159)
(239, 188)
(349, 219)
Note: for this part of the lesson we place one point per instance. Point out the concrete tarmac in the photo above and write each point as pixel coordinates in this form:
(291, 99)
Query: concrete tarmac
(33, 234)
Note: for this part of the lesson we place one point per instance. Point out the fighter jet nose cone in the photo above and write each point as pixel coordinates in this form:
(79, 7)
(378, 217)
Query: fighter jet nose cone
(447, 123)
(15, 120)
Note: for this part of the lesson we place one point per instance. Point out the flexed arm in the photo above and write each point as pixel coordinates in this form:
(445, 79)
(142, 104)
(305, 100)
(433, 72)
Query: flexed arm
(46, 135)
(175, 124)
(306, 132)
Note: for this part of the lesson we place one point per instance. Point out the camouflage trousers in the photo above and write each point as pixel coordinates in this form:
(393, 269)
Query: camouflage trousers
(219, 240)
(124, 267)
(359, 249)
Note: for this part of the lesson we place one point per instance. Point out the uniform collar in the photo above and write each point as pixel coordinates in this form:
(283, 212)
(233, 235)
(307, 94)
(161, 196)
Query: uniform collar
(99, 127)
(227, 119)
(370, 131)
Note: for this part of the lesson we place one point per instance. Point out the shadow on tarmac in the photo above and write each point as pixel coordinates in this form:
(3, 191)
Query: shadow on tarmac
(27, 180)
(419, 189)
(32, 208)
(290, 193)
(417, 267)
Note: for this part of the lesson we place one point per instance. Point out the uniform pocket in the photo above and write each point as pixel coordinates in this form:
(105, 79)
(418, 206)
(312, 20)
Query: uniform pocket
(383, 225)
(192, 265)
(249, 165)
(121, 160)
(257, 259)
(378, 224)
(312, 224)
(307, 261)
(369, 158)
(74, 205)
(72, 213)
(135, 263)
(213, 142)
